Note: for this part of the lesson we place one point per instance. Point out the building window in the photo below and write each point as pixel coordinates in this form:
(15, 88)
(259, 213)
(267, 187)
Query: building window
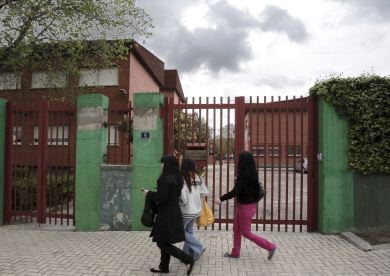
(9, 81)
(258, 150)
(56, 135)
(113, 136)
(17, 135)
(99, 77)
(294, 150)
(273, 151)
(48, 80)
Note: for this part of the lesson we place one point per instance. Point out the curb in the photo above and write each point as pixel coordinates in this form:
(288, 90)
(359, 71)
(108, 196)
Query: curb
(357, 241)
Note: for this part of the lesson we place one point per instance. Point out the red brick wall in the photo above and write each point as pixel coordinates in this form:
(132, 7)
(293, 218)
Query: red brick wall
(259, 131)
(171, 94)
(36, 95)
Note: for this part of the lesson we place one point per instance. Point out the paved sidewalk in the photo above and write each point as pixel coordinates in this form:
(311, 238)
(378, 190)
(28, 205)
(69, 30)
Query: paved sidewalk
(47, 251)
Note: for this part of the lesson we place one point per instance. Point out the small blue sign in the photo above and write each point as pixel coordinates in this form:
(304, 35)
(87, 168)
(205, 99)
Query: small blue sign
(145, 135)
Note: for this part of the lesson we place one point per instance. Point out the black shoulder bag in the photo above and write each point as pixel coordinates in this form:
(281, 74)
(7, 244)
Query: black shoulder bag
(149, 213)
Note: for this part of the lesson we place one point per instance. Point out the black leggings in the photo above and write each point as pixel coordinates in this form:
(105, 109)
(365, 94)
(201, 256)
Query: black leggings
(167, 250)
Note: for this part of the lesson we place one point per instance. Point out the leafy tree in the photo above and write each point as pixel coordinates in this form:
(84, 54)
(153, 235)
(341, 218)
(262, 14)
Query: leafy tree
(192, 129)
(53, 35)
(226, 135)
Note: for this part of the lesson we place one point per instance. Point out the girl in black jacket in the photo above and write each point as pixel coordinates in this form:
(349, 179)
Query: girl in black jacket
(247, 192)
(168, 226)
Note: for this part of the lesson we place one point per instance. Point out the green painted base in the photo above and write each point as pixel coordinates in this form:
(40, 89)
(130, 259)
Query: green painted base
(335, 195)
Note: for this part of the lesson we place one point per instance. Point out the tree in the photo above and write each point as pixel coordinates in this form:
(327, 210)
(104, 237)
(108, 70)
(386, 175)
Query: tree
(224, 141)
(189, 128)
(53, 33)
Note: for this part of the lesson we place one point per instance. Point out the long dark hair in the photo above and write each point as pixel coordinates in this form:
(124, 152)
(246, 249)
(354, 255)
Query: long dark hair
(247, 176)
(188, 171)
(171, 167)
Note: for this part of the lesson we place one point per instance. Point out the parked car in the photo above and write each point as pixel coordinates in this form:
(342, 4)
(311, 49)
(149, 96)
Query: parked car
(301, 164)
(230, 156)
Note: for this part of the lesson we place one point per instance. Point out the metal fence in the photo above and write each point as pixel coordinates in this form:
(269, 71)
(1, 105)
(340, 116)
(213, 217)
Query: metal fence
(119, 134)
(40, 163)
(213, 131)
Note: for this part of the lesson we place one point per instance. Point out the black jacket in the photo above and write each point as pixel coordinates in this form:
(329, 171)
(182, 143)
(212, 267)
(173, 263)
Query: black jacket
(168, 226)
(246, 195)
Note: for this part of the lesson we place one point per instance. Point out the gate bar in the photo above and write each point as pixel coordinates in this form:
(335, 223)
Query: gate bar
(287, 162)
(42, 162)
(8, 163)
(312, 166)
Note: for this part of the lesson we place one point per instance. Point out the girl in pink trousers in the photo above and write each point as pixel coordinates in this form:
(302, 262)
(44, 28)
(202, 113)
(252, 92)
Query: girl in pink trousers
(247, 192)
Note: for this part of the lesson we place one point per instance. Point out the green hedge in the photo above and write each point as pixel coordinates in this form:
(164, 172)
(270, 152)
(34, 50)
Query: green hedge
(365, 103)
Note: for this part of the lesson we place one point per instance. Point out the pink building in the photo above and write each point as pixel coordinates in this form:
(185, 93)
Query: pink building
(142, 71)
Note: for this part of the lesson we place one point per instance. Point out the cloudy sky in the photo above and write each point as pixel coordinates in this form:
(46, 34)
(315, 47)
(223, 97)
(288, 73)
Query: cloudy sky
(264, 48)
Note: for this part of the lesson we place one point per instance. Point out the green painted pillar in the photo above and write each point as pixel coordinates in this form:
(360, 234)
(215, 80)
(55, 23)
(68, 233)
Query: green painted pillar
(335, 178)
(148, 149)
(3, 107)
(90, 148)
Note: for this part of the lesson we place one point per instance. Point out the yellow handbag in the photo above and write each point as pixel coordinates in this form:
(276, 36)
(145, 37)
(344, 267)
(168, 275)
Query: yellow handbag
(206, 215)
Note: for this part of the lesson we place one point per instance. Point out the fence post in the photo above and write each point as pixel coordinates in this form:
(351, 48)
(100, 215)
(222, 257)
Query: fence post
(148, 149)
(42, 163)
(168, 126)
(239, 136)
(91, 145)
(3, 107)
(312, 177)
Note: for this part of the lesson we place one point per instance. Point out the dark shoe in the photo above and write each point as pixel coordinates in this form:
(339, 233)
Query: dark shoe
(191, 267)
(159, 270)
(271, 254)
(199, 255)
(228, 255)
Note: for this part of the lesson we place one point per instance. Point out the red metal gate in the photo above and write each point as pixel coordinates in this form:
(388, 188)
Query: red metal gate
(281, 136)
(40, 163)
(119, 134)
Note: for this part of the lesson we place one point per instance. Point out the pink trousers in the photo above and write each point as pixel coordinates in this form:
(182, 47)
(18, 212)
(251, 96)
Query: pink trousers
(242, 227)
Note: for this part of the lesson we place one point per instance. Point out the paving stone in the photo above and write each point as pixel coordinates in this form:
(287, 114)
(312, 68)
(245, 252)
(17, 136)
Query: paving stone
(44, 251)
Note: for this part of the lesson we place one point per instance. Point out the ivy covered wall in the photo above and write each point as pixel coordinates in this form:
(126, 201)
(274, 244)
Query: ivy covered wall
(354, 137)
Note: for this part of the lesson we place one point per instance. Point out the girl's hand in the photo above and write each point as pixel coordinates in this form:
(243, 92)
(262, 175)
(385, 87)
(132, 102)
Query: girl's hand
(145, 192)
(217, 201)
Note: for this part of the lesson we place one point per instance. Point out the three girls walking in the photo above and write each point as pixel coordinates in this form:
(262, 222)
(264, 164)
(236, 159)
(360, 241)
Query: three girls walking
(179, 205)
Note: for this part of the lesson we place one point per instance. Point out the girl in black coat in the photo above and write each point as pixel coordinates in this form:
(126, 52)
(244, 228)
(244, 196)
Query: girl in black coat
(168, 226)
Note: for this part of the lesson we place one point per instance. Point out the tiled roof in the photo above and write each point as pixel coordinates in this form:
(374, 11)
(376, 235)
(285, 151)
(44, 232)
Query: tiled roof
(152, 63)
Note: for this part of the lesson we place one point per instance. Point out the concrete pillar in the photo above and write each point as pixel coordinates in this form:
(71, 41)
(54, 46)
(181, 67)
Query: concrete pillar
(90, 148)
(3, 107)
(148, 150)
(335, 178)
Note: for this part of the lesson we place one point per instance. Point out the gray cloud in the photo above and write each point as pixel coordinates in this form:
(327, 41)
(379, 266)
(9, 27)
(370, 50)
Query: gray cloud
(210, 48)
(224, 46)
(230, 16)
(278, 20)
(372, 9)
(278, 81)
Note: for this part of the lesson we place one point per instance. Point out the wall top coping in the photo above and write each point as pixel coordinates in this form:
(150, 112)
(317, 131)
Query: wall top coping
(108, 167)
(148, 99)
(92, 100)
